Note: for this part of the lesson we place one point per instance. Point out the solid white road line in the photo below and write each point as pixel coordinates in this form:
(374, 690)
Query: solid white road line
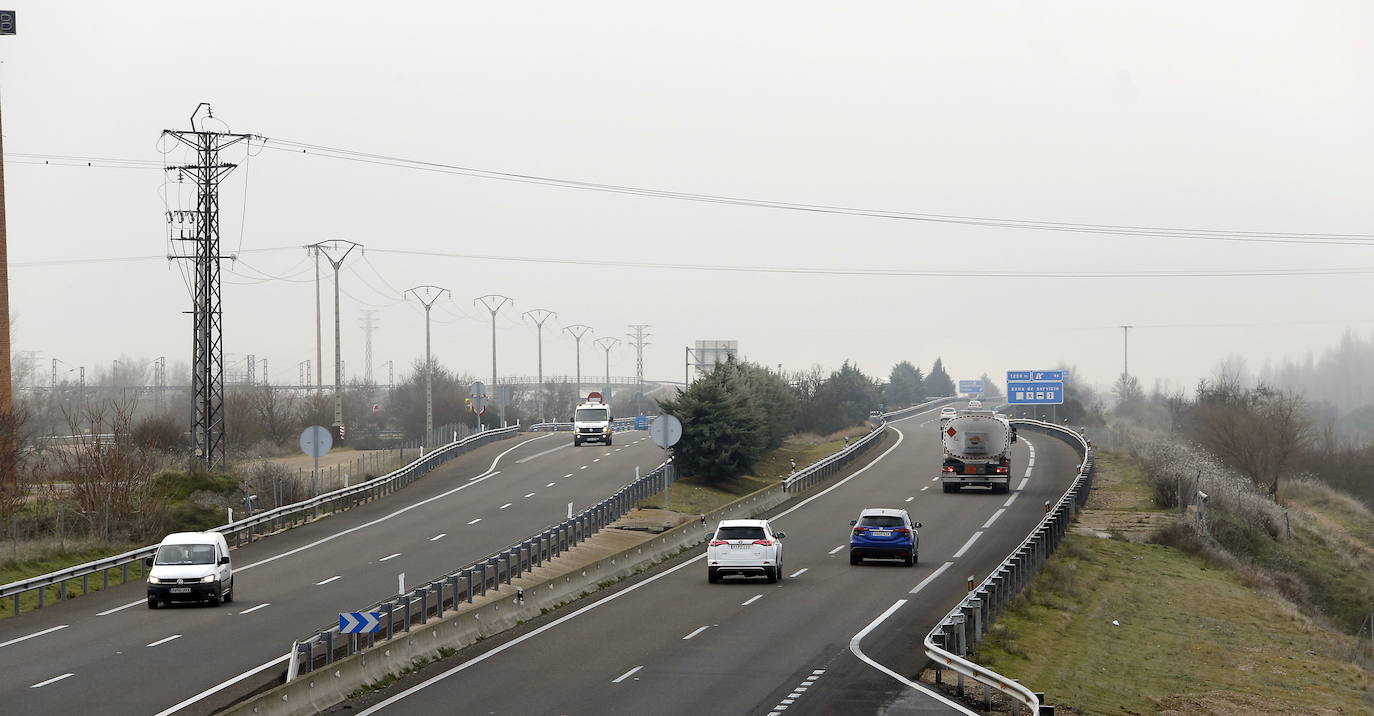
(967, 544)
(502, 507)
(438, 537)
(530, 495)
(41, 633)
(164, 641)
(250, 610)
(53, 680)
(223, 685)
(527, 458)
(930, 578)
(751, 600)
(696, 631)
(626, 675)
(833, 551)
(327, 581)
(389, 556)
(909, 499)
(1022, 486)
(479, 519)
(854, 647)
(798, 573)
(1010, 500)
(994, 517)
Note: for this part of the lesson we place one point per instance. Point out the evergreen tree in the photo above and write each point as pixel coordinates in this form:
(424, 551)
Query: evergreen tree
(723, 433)
(844, 399)
(904, 386)
(938, 383)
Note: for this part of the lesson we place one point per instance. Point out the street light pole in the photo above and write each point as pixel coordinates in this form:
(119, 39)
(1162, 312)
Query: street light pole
(432, 294)
(577, 330)
(539, 315)
(321, 248)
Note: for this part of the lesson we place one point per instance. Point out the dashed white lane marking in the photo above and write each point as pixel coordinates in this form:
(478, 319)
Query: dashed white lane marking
(119, 608)
(967, 544)
(596, 459)
(798, 573)
(994, 517)
(909, 499)
(530, 495)
(549, 485)
(935, 479)
(39, 633)
(927, 487)
(695, 632)
(796, 693)
(164, 641)
(617, 449)
(833, 551)
(438, 537)
(53, 680)
(1022, 486)
(327, 581)
(606, 454)
(584, 467)
(570, 474)
(751, 600)
(1010, 500)
(250, 610)
(502, 507)
(524, 460)
(479, 519)
(931, 577)
(389, 556)
(626, 675)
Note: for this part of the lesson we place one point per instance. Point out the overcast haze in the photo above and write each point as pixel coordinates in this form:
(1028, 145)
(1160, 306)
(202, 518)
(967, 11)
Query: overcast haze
(1248, 116)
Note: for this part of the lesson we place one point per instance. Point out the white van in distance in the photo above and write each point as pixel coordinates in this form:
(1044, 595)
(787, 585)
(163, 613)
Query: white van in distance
(190, 567)
(592, 421)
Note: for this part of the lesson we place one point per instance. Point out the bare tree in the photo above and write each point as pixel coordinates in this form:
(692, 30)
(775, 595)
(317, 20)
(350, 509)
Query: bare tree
(1259, 432)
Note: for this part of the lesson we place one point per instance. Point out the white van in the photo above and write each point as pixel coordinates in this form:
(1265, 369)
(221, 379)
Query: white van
(190, 567)
(592, 421)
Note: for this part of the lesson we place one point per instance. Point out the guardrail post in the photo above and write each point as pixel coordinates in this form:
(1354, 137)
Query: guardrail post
(308, 664)
(328, 638)
(406, 599)
(980, 617)
(961, 649)
(496, 573)
(507, 555)
(423, 594)
(467, 584)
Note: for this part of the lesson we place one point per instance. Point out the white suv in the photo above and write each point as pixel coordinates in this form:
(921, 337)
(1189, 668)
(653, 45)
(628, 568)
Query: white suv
(747, 547)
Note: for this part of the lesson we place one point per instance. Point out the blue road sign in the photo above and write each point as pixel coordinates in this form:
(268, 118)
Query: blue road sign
(1035, 393)
(1018, 375)
(970, 386)
(641, 422)
(1047, 375)
(359, 622)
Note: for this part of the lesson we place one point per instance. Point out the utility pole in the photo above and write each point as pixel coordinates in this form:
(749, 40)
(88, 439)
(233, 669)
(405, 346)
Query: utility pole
(493, 303)
(265, 380)
(319, 341)
(539, 315)
(432, 294)
(201, 227)
(1126, 350)
(369, 325)
(329, 249)
(641, 332)
(9, 471)
(160, 380)
(252, 370)
(390, 375)
(577, 330)
(607, 343)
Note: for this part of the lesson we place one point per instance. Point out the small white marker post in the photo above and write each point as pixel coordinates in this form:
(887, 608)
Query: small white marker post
(569, 510)
(401, 583)
(231, 515)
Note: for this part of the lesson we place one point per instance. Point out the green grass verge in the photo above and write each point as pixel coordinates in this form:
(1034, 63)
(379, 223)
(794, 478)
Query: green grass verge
(51, 561)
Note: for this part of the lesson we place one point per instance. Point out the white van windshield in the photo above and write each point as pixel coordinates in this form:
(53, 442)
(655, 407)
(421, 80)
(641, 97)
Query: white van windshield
(591, 415)
(185, 554)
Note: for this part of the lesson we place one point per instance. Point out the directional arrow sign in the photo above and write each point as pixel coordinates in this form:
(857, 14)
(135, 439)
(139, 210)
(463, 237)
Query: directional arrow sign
(359, 622)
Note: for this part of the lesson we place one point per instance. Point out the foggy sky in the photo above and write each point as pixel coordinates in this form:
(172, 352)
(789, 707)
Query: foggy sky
(1249, 116)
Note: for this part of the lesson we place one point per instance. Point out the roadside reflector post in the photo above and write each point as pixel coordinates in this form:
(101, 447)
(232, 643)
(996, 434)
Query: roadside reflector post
(1047, 505)
(970, 583)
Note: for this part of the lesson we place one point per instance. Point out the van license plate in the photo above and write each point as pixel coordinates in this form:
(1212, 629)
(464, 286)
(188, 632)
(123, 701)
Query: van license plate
(180, 590)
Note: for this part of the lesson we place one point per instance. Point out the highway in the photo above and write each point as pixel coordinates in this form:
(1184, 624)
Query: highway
(814, 644)
(110, 651)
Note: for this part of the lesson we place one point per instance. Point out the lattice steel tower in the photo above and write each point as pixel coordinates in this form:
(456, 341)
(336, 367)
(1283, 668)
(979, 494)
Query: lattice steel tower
(201, 227)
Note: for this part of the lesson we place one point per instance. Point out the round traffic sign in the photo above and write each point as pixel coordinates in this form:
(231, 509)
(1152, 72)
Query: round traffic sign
(316, 441)
(666, 430)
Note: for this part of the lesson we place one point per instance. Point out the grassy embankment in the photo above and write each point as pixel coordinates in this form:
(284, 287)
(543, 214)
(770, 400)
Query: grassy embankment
(1260, 628)
(693, 496)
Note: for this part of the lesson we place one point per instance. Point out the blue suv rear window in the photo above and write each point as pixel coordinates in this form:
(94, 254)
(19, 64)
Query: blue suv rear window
(881, 521)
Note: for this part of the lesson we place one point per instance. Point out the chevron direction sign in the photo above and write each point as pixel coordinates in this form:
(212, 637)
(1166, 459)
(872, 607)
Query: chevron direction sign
(359, 622)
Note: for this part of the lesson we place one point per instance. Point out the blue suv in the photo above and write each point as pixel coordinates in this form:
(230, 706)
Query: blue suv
(884, 533)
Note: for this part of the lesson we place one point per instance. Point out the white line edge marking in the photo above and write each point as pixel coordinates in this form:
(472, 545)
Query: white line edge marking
(751, 600)
(626, 675)
(502, 507)
(527, 458)
(41, 633)
(491, 472)
(55, 679)
(536, 632)
(798, 573)
(696, 631)
(223, 685)
(967, 544)
(931, 577)
(327, 581)
(479, 519)
(833, 551)
(1022, 486)
(1010, 500)
(994, 517)
(164, 641)
(854, 647)
(250, 610)
(438, 537)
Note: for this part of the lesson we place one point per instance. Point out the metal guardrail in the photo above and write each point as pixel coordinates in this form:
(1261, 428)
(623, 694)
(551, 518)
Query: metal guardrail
(258, 525)
(616, 424)
(950, 642)
(830, 464)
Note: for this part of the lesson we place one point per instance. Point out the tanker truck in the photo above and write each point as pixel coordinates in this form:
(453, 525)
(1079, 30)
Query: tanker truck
(977, 451)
